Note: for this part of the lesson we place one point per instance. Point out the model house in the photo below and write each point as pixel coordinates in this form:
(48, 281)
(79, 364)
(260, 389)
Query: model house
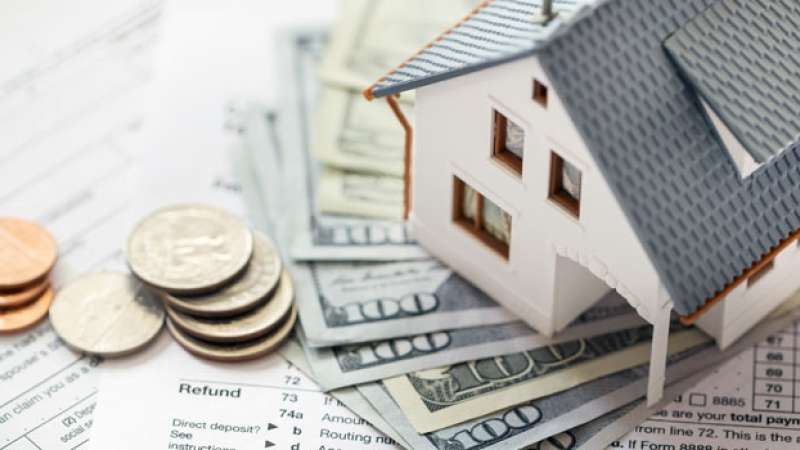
(562, 149)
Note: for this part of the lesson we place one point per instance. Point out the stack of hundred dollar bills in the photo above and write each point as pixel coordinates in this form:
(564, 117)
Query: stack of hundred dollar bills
(395, 335)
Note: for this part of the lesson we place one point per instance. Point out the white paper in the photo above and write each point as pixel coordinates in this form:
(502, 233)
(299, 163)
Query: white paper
(73, 86)
(216, 57)
(166, 398)
(70, 119)
(752, 402)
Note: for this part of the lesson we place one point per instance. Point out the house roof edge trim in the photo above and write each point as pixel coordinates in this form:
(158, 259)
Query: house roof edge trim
(568, 13)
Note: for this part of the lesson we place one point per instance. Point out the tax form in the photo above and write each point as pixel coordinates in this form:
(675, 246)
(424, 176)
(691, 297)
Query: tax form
(72, 88)
(71, 107)
(752, 402)
(165, 398)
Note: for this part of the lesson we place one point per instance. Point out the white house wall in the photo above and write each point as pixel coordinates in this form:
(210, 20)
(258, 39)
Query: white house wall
(453, 134)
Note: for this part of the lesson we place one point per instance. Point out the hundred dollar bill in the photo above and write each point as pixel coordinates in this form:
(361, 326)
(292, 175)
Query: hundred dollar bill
(346, 303)
(509, 428)
(635, 413)
(360, 194)
(438, 398)
(558, 413)
(259, 173)
(349, 396)
(475, 439)
(370, 361)
(319, 236)
(372, 36)
(353, 134)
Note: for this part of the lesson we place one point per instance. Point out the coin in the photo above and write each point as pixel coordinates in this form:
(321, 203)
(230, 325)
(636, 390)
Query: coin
(108, 314)
(244, 294)
(241, 328)
(21, 318)
(189, 249)
(18, 297)
(27, 252)
(235, 352)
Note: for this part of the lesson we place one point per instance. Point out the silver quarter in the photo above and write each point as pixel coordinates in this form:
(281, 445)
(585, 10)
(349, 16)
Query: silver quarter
(235, 352)
(189, 249)
(108, 314)
(245, 293)
(248, 326)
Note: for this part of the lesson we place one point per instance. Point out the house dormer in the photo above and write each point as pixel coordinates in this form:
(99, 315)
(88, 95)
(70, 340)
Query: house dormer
(744, 162)
(745, 80)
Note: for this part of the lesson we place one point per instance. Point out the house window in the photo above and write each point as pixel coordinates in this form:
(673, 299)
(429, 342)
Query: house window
(565, 184)
(509, 142)
(758, 274)
(481, 217)
(539, 93)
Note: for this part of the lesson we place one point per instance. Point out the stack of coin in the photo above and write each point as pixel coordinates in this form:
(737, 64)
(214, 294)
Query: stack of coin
(225, 292)
(27, 255)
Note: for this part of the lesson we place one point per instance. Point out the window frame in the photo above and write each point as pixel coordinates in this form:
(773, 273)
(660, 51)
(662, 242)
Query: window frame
(540, 93)
(474, 227)
(499, 151)
(556, 192)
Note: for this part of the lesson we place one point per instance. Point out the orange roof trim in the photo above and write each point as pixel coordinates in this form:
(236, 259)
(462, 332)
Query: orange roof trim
(367, 93)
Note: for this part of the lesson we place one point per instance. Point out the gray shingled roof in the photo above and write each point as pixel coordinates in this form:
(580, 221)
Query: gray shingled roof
(743, 58)
(700, 223)
(498, 32)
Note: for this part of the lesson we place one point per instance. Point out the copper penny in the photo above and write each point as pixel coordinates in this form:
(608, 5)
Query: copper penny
(27, 252)
(19, 297)
(21, 318)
